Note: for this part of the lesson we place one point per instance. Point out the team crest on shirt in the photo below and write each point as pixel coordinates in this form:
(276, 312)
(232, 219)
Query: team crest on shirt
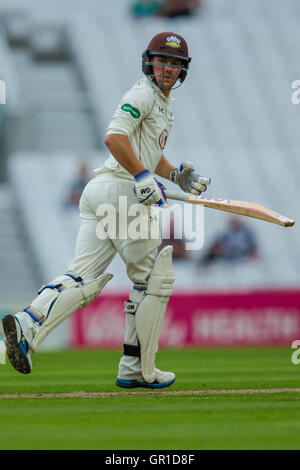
(173, 41)
(162, 140)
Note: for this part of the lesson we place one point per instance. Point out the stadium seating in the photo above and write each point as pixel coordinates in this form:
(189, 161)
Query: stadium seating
(19, 270)
(234, 120)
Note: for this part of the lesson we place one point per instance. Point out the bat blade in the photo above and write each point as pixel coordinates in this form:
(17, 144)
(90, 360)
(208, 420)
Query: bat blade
(249, 209)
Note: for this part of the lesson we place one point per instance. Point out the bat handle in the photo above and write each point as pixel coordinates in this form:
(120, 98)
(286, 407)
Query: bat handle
(177, 196)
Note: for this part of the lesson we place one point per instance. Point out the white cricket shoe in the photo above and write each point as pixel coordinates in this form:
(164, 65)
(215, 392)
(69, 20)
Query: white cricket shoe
(162, 380)
(18, 351)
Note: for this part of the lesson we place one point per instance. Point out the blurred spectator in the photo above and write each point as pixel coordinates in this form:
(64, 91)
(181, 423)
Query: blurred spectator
(143, 8)
(175, 8)
(236, 244)
(179, 251)
(78, 186)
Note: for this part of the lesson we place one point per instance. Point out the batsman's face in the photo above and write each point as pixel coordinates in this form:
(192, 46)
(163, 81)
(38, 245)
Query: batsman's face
(166, 71)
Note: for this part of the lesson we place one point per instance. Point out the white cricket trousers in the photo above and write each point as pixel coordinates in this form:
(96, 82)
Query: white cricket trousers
(93, 255)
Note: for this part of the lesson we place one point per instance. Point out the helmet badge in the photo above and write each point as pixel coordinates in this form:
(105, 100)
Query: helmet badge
(173, 41)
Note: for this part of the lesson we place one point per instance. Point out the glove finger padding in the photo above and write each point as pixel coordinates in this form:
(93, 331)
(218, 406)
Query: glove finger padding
(196, 192)
(197, 187)
(203, 180)
(191, 180)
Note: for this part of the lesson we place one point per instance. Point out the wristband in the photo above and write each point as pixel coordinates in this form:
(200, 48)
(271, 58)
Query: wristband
(142, 174)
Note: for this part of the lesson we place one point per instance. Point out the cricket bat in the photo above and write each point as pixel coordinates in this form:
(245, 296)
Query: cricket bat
(249, 209)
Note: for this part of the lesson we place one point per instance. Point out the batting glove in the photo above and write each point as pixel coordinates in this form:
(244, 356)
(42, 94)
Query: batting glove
(148, 189)
(188, 180)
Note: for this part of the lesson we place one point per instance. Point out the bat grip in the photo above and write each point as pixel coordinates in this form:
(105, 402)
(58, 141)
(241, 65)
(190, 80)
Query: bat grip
(177, 196)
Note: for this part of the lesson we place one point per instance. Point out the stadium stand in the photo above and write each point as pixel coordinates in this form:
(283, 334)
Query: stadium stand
(19, 272)
(234, 121)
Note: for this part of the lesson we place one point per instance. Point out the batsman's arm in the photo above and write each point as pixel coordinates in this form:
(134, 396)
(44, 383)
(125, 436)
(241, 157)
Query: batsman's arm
(120, 147)
(164, 167)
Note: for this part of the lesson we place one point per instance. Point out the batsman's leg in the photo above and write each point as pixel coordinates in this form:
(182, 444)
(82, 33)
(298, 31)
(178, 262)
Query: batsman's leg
(145, 312)
(25, 331)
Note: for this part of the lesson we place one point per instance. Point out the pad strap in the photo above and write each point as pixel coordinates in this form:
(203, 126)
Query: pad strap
(37, 316)
(76, 278)
(59, 287)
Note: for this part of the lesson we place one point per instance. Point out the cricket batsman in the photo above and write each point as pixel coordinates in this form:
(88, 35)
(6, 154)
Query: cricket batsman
(136, 138)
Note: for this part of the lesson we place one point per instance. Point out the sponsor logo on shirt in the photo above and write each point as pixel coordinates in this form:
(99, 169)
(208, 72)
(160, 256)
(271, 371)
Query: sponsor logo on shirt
(128, 108)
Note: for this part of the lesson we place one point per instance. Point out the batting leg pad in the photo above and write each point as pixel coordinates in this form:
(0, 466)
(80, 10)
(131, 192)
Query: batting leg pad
(131, 345)
(151, 311)
(59, 301)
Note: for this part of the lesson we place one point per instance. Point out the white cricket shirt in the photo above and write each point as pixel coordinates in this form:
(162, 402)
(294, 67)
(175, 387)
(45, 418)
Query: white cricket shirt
(145, 116)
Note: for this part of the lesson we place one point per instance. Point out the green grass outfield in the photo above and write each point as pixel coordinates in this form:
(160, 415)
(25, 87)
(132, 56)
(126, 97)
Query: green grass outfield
(42, 413)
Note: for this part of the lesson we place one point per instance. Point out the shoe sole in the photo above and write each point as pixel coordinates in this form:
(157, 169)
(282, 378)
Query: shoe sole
(15, 353)
(136, 383)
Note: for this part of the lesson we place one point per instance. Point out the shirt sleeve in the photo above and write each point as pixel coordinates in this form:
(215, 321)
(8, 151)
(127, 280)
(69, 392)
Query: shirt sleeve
(135, 105)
